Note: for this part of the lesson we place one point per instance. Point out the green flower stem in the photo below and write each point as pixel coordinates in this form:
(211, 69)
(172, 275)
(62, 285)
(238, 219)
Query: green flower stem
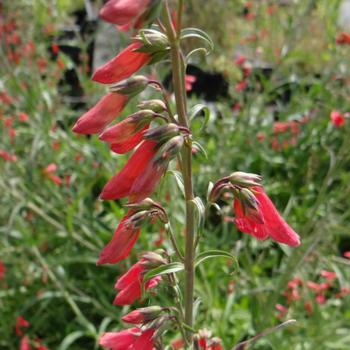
(186, 155)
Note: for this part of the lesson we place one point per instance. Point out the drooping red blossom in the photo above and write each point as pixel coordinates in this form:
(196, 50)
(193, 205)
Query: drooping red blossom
(49, 172)
(329, 275)
(343, 39)
(119, 340)
(337, 119)
(347, 255)
(240, 60)
(240, 86)
(146, 182)
(2, 270)
(24, 345)
(23, 117)
(123, 12)
(143, 315)
(21, 323)
(99, 116)
(273, 224)
(189, 81)
(124, 136)
(120, 185)
(7, 156)
(282, 311)
(120, 245)
(130, 284)
(129, 339)
(126, 63)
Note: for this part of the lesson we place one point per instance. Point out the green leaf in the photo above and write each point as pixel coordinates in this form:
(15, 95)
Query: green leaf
(202, 50)
(195, 112)
(179, 180)
(198, 33)
(163, 270)
(200, 148)
(70, 339)
(209, 254)
(200, 210)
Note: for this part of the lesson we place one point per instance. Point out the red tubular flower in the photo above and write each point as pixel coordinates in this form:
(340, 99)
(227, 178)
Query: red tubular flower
(343, 39)
(122, 12)
(99, 116)
(7, 156)
(130, 284)
(121, 243)
(132, 339)
(146, 182)
(272, 225)
(2, 270)
(337, 119)
(126, 63)
(120, 185)
(143, 315)
(119, 340)
(25, 344)
(125, 135)
(21, 323)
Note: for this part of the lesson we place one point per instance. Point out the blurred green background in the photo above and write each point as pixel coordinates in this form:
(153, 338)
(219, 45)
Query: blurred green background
(53, 225)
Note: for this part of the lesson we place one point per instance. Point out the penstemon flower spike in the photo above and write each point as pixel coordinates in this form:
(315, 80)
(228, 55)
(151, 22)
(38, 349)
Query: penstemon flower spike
(154, 147)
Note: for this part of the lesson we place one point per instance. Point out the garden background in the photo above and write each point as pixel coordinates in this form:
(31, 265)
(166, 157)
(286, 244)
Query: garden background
(277, 91)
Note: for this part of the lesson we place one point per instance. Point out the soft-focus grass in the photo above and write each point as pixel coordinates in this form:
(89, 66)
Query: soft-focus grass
(51, 235)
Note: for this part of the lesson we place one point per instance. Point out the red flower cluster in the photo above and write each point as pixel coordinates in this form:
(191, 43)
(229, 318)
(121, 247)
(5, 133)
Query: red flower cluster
(255, 213)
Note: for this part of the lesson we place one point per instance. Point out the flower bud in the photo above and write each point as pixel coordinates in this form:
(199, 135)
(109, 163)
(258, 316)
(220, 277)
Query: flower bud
(156, 106)
(145, 204)
(136, 220)
(169, 150)
(143, 315)
(162, 133)
(131, 86)
(153, 41)
(242, 179)
(152, 260)
(250, 205)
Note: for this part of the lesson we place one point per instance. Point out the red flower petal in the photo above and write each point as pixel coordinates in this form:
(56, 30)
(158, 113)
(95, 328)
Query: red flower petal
(119, 340)
(120, 245)
(274, 225)
(120, 185)
(126, 63)
(122, 12)
(99, 116)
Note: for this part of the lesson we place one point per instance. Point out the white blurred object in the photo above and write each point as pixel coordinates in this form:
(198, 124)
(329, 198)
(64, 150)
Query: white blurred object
(344, 15)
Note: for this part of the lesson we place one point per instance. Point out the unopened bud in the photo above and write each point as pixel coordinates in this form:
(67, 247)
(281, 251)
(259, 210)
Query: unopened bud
(170, 149)
(154, 208)
(131, 86)
(156, 106)
(250, 205)
(162, 133)
(145, 204)
(152, 260)
(153, 41)
(161, 324)
(143, 315)
(242, 179)
(136, 220)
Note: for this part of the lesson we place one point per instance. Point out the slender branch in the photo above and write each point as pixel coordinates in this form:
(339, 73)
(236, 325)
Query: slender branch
(173, 241)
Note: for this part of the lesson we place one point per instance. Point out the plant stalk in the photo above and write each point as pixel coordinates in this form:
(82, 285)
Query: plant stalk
(186, 155)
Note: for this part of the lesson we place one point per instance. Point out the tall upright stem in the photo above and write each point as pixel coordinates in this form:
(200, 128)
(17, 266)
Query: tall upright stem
(186, 155)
